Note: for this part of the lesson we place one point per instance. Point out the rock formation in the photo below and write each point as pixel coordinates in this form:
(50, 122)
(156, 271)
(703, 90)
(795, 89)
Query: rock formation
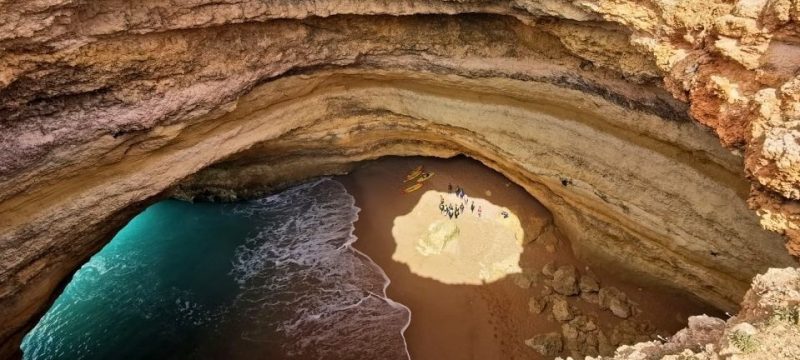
(771, 305)
(647, 128)
(565, 280)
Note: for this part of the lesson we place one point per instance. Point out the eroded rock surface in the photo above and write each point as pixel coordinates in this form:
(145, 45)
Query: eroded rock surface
(565, 280)
(767, 327)
(549, 344)
(596, 107)
(615, 300)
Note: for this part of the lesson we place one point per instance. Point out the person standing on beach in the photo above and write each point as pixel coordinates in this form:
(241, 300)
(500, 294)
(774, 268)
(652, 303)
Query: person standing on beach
(472, 207)
(449, 188)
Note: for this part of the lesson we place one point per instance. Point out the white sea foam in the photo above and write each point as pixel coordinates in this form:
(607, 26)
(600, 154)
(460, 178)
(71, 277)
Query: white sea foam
(303, 292)
(301, 260)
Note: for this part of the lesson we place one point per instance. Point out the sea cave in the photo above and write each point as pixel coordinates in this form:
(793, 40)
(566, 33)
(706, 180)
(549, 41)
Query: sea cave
(645, 147)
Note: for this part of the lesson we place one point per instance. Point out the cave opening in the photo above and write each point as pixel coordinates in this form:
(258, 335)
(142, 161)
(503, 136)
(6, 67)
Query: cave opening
(660, 136)
(255, 277)
(659, 193)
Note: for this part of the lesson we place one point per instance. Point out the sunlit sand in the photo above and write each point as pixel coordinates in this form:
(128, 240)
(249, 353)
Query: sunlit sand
(471, 249)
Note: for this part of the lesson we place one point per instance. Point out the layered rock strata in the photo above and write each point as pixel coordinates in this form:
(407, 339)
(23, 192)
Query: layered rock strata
(593, 106)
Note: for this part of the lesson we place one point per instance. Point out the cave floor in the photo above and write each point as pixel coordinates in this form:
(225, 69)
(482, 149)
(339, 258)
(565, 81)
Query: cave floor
(493, 320)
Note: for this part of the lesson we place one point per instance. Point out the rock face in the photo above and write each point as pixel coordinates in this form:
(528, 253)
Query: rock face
(767, 327)
(596, 107)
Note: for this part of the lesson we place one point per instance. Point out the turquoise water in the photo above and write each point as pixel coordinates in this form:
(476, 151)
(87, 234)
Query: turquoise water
(272, 278)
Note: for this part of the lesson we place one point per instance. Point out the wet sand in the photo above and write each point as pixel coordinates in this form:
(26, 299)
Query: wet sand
(489, 321)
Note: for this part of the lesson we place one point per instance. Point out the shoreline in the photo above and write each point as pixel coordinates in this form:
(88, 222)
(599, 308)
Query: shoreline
(387, 281)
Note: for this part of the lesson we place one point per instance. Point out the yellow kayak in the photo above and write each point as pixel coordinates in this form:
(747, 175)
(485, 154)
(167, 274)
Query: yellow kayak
(414, 173)
(425, 176)
(413, 188)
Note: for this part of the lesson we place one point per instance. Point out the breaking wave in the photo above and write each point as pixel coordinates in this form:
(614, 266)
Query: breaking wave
(274, 278)
(301, 258)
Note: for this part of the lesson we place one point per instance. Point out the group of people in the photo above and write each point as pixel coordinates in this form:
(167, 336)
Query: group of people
(453, 210)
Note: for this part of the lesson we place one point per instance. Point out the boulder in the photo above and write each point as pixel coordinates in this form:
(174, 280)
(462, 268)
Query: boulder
(537, 305)
(744, 328)
(629, 332)
(604, 345)
(588, 284)
(528, 278)
(549, 344)
(620, 308)
(580, 336)
(583, 323)
(592, 339)
(522, 280)
(590, 346)
(571, 335)
(625, 333)
(705, 323)
(615, 300)
(549, 269)
(565, 280)
(591, 298)
(701, 330)
(591, 325)
(560, 309)
(574, 340)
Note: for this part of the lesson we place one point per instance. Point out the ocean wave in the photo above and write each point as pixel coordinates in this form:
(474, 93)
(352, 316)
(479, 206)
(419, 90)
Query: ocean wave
(274, 277)
(301, 258)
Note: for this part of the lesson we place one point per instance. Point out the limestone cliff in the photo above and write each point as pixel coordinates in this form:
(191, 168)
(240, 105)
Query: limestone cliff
(647, 128)
(767, 327)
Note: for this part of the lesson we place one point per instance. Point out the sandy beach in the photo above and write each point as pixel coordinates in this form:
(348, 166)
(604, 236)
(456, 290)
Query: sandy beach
(456, 239)
(454, 317)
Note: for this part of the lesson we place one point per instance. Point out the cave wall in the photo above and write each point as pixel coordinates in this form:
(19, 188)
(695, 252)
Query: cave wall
(669, 119)
(636, 198)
